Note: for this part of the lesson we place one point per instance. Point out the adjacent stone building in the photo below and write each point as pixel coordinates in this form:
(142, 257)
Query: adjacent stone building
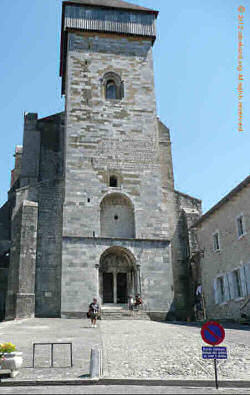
(92, 209)
(224, 249)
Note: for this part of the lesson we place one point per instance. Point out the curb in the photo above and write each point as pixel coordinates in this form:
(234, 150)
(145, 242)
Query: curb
(175, 383)
(52, 382)
(131, 382)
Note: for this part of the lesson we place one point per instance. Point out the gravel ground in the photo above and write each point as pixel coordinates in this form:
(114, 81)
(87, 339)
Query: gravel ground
(146, 349)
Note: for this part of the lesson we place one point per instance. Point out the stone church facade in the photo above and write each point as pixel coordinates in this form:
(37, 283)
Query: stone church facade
(92, 209)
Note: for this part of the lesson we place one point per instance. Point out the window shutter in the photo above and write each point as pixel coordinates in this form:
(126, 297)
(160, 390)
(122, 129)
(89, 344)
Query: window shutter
(243, 281)
(247, 277)
(231, 285)
(216, 293)
(228, 285)
(226, 288)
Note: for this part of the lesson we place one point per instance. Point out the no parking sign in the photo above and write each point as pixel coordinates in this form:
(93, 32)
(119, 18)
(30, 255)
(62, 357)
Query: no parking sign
(213, 333)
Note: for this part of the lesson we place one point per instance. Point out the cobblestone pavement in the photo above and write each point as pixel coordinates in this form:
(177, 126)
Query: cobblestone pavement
(132, 349)
(146, 349)
(23, 333)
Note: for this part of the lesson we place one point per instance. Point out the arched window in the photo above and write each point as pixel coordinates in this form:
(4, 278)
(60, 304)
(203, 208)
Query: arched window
(113, 86)
(111, 90)
(117, 217)
(113, 182)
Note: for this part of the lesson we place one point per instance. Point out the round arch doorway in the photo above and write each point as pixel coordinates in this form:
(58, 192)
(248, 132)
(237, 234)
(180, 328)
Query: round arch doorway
(118, 276)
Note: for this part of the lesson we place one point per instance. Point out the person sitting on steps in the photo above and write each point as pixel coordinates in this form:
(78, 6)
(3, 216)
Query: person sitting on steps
(138, 301)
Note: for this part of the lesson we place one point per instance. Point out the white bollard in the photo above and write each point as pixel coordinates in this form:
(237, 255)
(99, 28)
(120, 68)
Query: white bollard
(95, 363)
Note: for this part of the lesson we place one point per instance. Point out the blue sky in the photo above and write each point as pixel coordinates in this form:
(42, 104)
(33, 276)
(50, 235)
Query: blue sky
(195, 62)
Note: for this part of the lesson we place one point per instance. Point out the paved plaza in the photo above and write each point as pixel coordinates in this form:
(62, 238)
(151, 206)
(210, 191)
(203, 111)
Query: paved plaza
(170, 351)
(24, 333)
(131, 349)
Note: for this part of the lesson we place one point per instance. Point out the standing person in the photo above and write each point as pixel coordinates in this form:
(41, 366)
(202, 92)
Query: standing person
(198, 307)
(130, 302)
(94, 310)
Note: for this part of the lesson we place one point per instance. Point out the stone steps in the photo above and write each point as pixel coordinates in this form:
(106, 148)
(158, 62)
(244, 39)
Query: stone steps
(4, 374)
(245, 321)
(124, 315)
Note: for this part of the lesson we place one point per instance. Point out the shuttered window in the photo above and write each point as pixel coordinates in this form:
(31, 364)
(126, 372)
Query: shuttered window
(232, 285)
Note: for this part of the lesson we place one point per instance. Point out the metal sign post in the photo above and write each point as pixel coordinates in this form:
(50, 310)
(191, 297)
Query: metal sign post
(213, 333)
(214, 353)
(215, 372)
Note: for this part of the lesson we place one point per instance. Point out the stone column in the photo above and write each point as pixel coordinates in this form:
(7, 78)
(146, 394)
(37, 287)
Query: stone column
(130, 276)
(97, 266)
(115, 286)
(132, 290)
(138, 279)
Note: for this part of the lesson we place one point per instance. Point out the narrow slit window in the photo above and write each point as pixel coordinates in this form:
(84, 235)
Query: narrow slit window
(113, 182)
(216, 241)
(240, 226)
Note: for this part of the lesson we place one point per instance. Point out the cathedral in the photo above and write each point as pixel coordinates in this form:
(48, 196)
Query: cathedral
(92, 210)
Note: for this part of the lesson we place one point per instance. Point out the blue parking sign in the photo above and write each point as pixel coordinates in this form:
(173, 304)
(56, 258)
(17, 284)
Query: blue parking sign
(214, 352)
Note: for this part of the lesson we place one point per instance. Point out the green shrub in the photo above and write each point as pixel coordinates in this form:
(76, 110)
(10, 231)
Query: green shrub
(7, 348)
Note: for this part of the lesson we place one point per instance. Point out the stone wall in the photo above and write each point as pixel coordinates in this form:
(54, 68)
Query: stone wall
(31, 151)
(80, 272)
(188, 209)
(51, 147)
(50, 201)
(21, 280)
(41, 179)
(15, 174)
(117, 217)
(5, 243)
(49, 242)
(5, 215)
(233, 254)
(4, 266)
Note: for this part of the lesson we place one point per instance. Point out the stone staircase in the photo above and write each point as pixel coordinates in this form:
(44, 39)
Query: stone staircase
(245, 321)
(121, 312)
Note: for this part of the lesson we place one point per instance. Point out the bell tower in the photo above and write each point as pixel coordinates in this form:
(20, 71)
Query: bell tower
(108, 82)
(115, 150)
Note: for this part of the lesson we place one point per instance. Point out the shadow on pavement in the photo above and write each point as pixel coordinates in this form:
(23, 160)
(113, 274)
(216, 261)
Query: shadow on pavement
(226, 325)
